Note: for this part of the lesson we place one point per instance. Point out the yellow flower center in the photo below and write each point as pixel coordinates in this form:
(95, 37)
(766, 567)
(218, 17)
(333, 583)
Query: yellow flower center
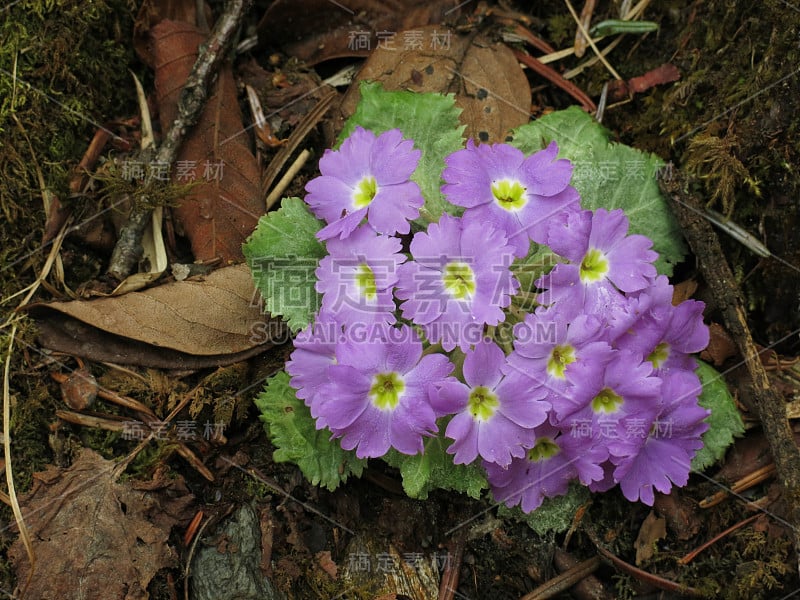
(365, 280)
(545, 448)
(659, 355)
(365, 192)
(594, 266)
(606, 401)
(482, 403)
(509, 194)
(560, 357)
(459, 280)
(386, 390)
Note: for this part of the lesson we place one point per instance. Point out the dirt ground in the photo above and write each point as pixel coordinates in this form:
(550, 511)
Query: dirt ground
(728, 121)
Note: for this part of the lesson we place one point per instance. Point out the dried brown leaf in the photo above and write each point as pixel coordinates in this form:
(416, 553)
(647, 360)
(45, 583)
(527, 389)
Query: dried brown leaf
(682, 515)
(95, 537)
(205, 317)
(653, 529)
(319, 30)
(223, 208)
(488, 83)
(720, 345)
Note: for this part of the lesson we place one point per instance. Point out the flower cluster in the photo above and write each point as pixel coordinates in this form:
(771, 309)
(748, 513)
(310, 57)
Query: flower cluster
(599, 385)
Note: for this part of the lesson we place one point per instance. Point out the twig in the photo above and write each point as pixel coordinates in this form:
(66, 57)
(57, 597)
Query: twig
(641, 575)
(740, 485)
(180, 447)
(591, 588)
(187, 570)
(693, 554)
(448, 588)
(554, 77)
(770, 406)
(526, 34)
(190, 105)
(567, 579)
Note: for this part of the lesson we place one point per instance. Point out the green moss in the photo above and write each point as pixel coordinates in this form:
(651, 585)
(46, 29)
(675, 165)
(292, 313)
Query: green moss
(715, 160)
(63, 72)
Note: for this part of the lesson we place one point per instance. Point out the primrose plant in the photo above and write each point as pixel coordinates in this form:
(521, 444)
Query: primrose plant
(470, 318)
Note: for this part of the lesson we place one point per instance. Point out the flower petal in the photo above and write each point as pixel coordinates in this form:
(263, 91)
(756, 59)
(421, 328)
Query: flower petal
(482, 366)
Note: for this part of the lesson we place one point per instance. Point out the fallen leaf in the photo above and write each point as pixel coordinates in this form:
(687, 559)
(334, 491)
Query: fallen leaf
(681, 514)
(213, 317)
(653, 529)
(222, 209)
(489, 85)
(319, 30)
(327, 564)
(746, 455)
(93, 536)
(152, 12)
(683, 291)
(720, 345)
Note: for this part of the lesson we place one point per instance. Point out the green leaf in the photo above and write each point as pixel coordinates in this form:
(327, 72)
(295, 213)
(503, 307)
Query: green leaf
(555, 514)
(283, 253)
(539, 261)
(724, 422)
(431, 120)
(292, 430)
(610, 175)
(434, 469)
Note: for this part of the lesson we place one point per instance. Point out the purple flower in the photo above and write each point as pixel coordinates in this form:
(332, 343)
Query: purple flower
(674, 438)
(378, 395)
(496, 410)
(549, 346)
(616, 408)
(357, 277)
(602, 257)
(500, 186)
(459, 280)
(547, 469)
(663, 333)
(367, 176)
(314, 351)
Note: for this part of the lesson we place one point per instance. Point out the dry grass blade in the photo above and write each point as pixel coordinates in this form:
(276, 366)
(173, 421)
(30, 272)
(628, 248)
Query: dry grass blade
(48, 265)
(281, 186)
(591, 42)
(555, 56)
(12, 493)
(586, 19)
(296, 138)
(93, 421)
